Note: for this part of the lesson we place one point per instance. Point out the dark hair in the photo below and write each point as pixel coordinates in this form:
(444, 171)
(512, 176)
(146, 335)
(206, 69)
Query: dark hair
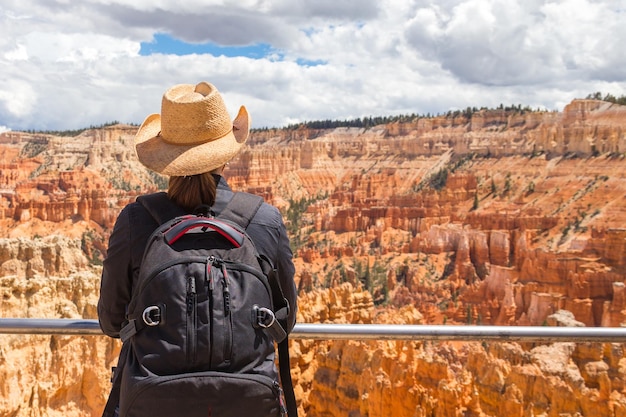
(193, 191)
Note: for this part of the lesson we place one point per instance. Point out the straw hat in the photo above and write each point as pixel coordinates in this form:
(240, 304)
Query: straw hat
(193, 134)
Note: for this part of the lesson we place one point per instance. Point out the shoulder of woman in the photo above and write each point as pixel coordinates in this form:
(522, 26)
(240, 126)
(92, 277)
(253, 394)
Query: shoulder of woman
(269, 215)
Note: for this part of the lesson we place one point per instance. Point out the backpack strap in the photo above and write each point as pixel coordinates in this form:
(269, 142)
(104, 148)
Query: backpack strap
(241, 208)
(160, 207)
(285, 378)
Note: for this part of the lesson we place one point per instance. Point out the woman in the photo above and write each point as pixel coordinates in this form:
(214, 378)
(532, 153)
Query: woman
(191, 141)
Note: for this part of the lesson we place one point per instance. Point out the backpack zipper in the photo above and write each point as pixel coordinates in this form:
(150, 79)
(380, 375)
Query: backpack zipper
(228, 324)
(210, 283)
(192, 318)
(226, 291)
(281, 398)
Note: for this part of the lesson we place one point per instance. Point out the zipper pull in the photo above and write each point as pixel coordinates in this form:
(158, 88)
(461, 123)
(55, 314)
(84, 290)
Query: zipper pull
(226, 291)
(209, 272)
(281, 398)
(191, 294)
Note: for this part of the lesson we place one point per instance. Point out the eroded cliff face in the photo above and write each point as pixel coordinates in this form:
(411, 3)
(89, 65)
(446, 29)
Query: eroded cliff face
(498, 217)
(43, 375)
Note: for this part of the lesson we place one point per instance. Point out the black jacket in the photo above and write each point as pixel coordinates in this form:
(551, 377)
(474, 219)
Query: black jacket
(130, 234)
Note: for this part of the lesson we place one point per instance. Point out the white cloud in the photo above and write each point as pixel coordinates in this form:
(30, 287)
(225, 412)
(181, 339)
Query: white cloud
(498, 42)
(18, 99)
(17, 54)
(73, 64)
(88, 47)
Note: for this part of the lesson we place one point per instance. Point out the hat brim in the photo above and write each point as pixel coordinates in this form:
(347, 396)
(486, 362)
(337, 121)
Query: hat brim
(180, 160)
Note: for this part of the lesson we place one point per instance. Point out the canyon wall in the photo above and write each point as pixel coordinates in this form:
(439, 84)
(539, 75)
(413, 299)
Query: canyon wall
(496, 217)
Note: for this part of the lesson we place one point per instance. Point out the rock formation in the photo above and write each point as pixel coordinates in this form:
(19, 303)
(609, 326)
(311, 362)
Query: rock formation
(502, 217)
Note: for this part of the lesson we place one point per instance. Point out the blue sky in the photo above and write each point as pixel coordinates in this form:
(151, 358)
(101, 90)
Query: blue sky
(68, 65)
(166, 44)
(163, 43)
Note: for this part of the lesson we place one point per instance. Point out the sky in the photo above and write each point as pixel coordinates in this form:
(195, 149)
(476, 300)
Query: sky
(70, 64)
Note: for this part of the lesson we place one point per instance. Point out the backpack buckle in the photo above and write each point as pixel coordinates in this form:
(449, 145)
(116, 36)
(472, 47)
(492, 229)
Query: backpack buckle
(264, 317)
(152, 316)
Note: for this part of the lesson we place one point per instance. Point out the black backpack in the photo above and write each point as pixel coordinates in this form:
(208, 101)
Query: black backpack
(203, 321)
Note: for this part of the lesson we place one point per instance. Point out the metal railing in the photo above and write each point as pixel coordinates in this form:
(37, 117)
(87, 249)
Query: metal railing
(362, 331)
